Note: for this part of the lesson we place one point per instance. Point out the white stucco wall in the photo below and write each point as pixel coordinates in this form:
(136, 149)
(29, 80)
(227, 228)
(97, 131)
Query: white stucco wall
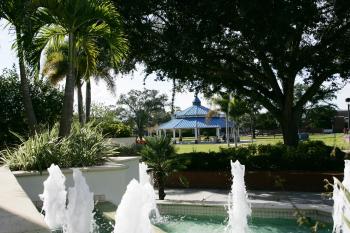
(133, 166)
(107, 182)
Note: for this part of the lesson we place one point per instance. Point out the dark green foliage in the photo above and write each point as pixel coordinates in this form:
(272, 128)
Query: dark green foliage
(266, 121)
(319, 117)
(115, 129)
(143, 109)
(85, 146)
(307, 156)
(160, 156)
(47, 102)
(260, 49)
(106, 119)
(133, 150)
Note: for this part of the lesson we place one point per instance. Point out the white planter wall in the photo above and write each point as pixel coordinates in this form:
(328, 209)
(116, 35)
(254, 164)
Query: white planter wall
(133, 166)
(108, 182)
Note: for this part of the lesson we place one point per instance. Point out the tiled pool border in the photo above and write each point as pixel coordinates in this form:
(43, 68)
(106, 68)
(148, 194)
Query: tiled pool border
(209, 209)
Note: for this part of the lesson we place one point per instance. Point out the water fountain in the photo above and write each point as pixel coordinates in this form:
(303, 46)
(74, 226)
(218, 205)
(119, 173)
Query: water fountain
(54, 198)
(238, 206)
(137, 205)
(341, 205)
(80, 206)
(145, 181)
(77, 216)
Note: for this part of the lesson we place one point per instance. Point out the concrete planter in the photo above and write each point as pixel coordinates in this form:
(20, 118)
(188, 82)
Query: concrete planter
(107, 182)
(257, 180)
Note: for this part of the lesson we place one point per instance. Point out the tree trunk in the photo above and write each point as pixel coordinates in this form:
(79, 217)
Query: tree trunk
(88, 100)
(141, 132)
(289, 123)
(161, 188)
(253, 127)
(80, 103)
(67, 112)
(173, 97)
(27, 101)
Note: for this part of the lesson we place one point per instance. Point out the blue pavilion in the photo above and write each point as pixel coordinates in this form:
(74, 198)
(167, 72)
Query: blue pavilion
(196, 118)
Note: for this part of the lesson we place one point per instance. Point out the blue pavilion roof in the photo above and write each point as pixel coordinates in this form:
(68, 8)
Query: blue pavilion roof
(195, 122)
(193, 111)
(195, 117)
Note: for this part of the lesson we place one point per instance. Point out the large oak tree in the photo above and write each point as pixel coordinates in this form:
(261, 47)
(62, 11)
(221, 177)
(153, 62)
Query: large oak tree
(260, 49)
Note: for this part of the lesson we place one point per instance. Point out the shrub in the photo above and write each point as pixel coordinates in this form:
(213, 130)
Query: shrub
(105, 118)
(37, 153)
(85, 146)
(133, 150)
(310, 155)
(115, 129)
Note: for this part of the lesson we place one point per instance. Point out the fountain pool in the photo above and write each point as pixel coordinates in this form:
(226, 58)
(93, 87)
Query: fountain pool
(196, 224)
(202, 224)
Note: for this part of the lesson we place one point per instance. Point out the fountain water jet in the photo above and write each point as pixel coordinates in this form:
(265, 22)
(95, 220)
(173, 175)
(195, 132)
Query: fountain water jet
(145, 181)
(341, 205)
(54, 198)
(77, 216)
(238, 206)
(132, 215)
(137, 206)
(80, 217)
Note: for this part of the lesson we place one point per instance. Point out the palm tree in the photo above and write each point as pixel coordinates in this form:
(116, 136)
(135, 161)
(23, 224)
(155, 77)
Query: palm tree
(16, 13)
(56, 69)
(232, 107)
(74, 20)
(160, 156)
(106, 63)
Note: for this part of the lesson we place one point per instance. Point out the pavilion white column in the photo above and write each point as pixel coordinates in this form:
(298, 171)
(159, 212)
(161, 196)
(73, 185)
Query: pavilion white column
(199, 135)
(218, 132)
(174, 134)
(164, 130)
(180, 133)
(195, 134)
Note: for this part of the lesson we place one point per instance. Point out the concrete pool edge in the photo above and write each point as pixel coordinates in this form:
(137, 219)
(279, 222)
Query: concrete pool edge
(321, 213)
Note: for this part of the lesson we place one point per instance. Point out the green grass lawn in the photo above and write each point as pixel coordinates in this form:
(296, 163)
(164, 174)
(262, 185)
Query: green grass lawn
(328, 139)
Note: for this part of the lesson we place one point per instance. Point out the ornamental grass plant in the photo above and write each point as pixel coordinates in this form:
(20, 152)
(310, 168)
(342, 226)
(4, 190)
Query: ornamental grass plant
(85, 146)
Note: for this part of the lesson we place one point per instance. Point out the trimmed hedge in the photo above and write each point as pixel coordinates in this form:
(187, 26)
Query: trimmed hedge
(308, 156)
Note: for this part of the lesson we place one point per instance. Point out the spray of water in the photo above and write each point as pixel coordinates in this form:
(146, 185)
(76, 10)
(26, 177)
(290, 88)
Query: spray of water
(238, 206)
(80, 206)
(133, 212)
(145, 181)
(138, 206)
(54, 198)
(77, 216)
(341, 205)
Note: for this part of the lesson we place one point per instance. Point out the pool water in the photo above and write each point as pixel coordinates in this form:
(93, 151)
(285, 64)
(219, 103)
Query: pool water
(194, 224)
(191, 224)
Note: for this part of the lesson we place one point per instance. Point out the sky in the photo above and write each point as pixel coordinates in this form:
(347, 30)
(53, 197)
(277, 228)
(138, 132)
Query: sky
(101, 95)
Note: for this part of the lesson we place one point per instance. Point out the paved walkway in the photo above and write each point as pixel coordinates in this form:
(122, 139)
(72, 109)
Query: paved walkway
(17, 213)
(257, 198)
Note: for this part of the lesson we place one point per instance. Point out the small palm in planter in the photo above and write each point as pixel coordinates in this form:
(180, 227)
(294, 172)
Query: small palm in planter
(160, 156)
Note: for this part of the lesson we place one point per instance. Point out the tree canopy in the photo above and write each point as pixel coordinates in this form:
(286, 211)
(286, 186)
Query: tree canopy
(47, 102)
(261, 49)
(143, 108)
